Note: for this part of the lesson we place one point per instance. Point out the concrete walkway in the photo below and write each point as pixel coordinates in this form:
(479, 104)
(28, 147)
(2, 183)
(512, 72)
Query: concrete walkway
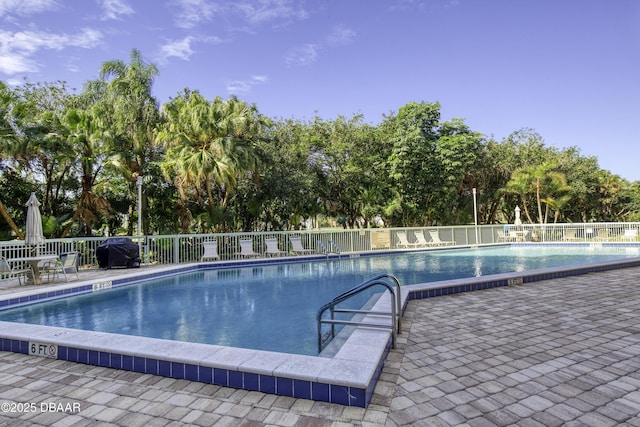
(559, 352)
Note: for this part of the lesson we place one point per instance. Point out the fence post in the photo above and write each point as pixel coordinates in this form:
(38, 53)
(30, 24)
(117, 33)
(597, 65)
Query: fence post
(176, 249)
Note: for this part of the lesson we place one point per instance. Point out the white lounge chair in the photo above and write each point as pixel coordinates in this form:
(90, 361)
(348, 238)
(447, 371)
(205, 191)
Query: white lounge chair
(435, 239)
(420, 239)
(272, 247)
(403, 242)
(68, 264)
(570, 234)
(504, 236)
(210, 250)
(603, 234)
(296, 246)
(246, 249)
(630, 234)
(18, 271)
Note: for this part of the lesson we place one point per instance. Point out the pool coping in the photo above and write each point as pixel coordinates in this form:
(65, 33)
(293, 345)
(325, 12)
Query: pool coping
(348, 377)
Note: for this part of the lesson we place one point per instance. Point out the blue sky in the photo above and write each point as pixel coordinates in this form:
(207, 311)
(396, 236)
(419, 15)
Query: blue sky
(569, 69)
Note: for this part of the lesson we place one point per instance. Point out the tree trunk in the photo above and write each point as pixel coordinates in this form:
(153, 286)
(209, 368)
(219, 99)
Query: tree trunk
(12, 224)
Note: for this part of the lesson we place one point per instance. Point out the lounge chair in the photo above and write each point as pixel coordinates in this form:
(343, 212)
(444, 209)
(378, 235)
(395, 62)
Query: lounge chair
(402, 240)
(19, 271)
(603, 234)
(296, 246)
(504, 236)
(630, 234)
(570, 234)
(67, 263)
(272, 247)
(420, 239)
(435, 239)
(210, 250)
(246, 249)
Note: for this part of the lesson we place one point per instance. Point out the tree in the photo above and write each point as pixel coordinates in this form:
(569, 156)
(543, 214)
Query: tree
(208, 145)
(288, 192)
(131, 114)
(547, 185)
(349, 160)
(7, 135)
(413, 167)
(87, 140)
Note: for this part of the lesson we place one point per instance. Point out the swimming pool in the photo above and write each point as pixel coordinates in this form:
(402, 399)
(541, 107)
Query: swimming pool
(347, 377)
(273, 307)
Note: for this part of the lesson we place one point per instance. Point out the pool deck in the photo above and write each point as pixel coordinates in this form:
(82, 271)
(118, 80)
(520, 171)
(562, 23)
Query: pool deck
(564, 351)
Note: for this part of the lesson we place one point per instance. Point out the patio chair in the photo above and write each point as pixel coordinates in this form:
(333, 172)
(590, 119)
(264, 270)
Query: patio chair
(603, 234)
(67, 263)
(210, 250)
(18, 271)
(296, 246)
(630, 234)
(246, 249)
(420, 239)
(504, 236)
(435, 239)
(272, 247)
(570, 234)
(403, 242)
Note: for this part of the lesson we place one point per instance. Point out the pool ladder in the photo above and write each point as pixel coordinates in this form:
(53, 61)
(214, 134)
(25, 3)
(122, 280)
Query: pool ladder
(383, 279)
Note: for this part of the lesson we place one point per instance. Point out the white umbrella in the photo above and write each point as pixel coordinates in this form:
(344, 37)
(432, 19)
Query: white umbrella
(34, 235)
(518, 221)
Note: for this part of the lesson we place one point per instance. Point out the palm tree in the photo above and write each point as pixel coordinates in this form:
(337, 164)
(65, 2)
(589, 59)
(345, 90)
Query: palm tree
(87, 141)
(6, 134)
(209, 144)
(549, 186)
(133, 114)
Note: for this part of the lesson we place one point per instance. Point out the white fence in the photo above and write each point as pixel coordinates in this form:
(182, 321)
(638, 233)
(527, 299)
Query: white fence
(185, 248)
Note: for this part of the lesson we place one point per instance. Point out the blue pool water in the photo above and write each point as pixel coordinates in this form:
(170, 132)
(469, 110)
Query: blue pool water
(273, 307)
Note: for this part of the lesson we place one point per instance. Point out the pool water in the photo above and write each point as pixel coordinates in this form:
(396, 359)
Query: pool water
(273, 307)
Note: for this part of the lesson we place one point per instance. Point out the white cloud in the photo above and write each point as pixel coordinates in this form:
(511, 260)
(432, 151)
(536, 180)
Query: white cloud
(303, 55)
(193, 12)
(308, 54)
(341, 35)
(15, 64)
(114, 9)
(25, 7)
(241, 13)
(18, 49)
(260, 11)
(182, 49)
(244, 86)
(177, 48)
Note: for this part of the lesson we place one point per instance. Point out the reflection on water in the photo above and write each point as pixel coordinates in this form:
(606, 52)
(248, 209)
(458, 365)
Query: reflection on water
(274, 307)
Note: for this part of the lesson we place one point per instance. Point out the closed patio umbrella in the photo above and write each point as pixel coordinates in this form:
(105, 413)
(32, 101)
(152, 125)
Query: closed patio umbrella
(34, 235)
(518, 221)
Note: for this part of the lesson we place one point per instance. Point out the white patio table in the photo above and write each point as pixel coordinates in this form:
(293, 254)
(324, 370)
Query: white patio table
(35, 263)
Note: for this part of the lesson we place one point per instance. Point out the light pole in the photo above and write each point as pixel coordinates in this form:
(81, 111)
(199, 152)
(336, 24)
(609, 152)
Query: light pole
(139, 184)
(475, 214)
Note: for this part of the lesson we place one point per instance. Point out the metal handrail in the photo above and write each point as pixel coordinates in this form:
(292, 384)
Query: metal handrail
(378, 280)
(335, 246)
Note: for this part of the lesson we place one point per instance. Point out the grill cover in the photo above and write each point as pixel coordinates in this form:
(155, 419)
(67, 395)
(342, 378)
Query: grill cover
(118, 252)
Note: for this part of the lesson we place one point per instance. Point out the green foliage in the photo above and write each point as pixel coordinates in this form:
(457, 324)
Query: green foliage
(220, 165)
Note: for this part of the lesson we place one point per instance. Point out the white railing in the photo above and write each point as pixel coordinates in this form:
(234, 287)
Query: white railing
(184, 248)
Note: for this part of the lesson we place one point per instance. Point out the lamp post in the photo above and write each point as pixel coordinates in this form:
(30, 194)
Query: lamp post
(475, 214)
(139, 184)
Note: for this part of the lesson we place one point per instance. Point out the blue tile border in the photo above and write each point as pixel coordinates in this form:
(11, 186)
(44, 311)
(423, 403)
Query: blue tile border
(298, 388)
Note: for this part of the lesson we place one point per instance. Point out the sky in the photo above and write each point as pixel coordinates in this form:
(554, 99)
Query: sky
(568, 69)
